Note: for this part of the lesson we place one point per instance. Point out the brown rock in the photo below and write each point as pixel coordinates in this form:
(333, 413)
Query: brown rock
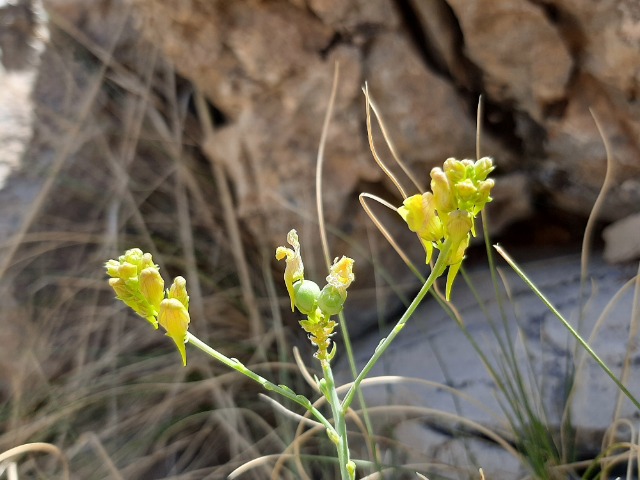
(426, 118)
(576, 163)
(521, 55)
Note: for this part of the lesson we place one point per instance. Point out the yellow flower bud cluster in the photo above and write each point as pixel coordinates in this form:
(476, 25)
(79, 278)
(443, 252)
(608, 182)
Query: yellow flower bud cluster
(137, 282)
(459, 192)
(318, 304)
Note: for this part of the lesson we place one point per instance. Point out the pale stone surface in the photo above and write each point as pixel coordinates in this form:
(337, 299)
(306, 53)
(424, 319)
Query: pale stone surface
(622, 240)
(432, 347)
(15, 118)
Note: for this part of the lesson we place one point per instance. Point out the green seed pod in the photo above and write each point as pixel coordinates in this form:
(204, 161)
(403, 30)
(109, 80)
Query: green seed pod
(331, 300)
(306, 294)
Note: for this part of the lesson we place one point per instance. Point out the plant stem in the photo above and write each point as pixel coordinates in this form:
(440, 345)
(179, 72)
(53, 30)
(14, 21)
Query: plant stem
(272, 387)
(568, 326)
(436, 271)
(339, 420)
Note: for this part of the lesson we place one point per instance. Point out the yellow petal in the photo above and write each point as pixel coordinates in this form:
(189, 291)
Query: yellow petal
(412, 213)
(133, 299)
(152, 287)
(428, 248)
(444, 198)
(174, 318)
(294, 269)
(341, 273)
(451, 275)
(419, 212)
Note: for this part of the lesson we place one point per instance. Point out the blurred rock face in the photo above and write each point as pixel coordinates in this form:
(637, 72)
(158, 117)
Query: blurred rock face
(540, 68)
(266, 70)
(267, 67)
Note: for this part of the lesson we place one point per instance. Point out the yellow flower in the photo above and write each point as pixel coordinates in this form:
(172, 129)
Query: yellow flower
(469, 184)
(460, 190)
(128, 291)
(137, 283)
(132, 299)
(294, 269)
(456, 170)
(419, 212)
(341, 274)
(174, 318)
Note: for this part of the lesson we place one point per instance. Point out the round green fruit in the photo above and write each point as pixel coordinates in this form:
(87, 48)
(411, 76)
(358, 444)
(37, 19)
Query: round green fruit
(306, 295)
(331, 300)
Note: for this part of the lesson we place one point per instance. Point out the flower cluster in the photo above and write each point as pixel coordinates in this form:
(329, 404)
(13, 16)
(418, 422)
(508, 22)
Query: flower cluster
(459, 191)
(318, 304)
(137, 282)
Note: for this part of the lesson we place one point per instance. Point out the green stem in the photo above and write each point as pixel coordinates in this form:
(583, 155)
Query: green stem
(436, 271)
(272, 387)
(339, 420)
(573, 332)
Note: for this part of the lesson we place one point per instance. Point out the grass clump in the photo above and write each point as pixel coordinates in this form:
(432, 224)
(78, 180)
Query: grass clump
(132, 415)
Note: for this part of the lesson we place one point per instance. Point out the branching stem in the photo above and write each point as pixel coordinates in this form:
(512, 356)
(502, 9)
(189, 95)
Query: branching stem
(272, 387)
(436, 271)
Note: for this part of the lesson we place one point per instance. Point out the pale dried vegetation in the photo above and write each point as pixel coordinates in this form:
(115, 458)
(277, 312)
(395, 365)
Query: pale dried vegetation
(88, 390)
(79, 371)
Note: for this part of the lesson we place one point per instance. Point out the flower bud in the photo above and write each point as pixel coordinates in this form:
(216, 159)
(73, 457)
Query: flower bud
(484, 190)
(127, 270)
(306, 293)
(331, 300)
(152, 287)
(146, 261)
(466, 191)
(178, 291)
(137, 282)
(112, 267)
(444, 199)
(133, 299)
(482, 168)
(133, 255)
(118, 285)
(174, 318)
(454, 169)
